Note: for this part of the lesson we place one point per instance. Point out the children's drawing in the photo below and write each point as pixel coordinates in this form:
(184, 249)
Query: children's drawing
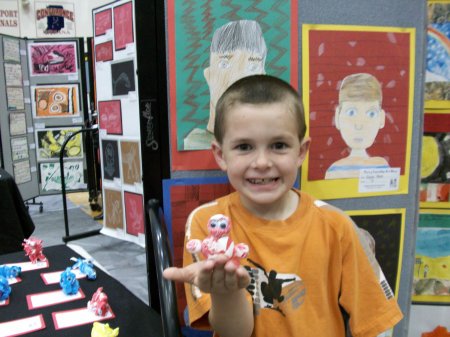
(131, 163)
(123, 25)
(60, 100)
(48, 58)
(113, 209)
(50, 142)
(226, 41)
(358, 118)
(122, 77)
(110, 160)
(110, 116)
(134, 213)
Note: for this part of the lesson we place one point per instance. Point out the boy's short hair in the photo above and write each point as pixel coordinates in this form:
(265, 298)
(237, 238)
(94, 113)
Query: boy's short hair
(259, 89)
(360, 87)
(242, 34)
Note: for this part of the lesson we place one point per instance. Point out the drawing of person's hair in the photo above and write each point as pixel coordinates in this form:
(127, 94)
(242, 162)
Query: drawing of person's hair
(243, 34)
(360, 87)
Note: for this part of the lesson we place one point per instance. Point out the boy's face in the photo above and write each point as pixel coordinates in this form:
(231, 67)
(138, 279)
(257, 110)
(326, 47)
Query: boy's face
(359, 122)
(261, 152)
(225, 69)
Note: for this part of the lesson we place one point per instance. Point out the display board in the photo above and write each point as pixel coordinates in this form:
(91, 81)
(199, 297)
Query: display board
(41, 91)
(117, 105)
(18, 146)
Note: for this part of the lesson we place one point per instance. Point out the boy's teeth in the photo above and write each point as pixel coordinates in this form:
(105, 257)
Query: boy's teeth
(261, 181)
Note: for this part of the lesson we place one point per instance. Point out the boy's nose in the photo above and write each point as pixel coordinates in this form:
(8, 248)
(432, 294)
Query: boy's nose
(262, 160)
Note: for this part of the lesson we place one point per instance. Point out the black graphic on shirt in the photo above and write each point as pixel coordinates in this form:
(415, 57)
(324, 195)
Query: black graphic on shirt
(275, 291)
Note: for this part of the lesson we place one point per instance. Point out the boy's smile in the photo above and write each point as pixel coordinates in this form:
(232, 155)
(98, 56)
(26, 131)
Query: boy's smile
(261, 153)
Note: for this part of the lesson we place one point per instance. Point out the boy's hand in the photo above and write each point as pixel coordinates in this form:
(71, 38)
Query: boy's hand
(217, 276)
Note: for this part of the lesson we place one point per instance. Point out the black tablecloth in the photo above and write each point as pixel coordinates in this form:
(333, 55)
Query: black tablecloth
(133, 317)
(15, 222)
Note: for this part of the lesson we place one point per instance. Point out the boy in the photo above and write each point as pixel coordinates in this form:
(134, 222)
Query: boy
(306, 263)
(358, 117)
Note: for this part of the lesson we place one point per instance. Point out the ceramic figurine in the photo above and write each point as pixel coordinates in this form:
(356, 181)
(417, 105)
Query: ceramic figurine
(99, 303)
(33, 249)
(5, 289)
(10, 271)
(69, 282)
(85, 266)
(103, 330)
(218, 242)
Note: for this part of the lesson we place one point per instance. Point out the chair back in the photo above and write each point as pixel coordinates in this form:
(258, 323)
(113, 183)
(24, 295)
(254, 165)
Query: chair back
(163, 260)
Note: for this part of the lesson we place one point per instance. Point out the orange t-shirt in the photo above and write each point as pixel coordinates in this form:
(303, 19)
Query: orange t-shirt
(304, 269)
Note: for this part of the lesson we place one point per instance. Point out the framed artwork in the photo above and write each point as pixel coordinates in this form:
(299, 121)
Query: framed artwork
(110, 113)
(110, 156)
(122, 77)
(11, 49)
(268, 40)
(14, 98)
(22, 171)
(181, 196)
(437, 76)
(113, 212)
(131, 162)
(123, 25)
(360, 144)
(134, 213)
(385, 229)
(50, 174)
(19, 148)
(56, 100)
(102, 22)
(50, 140)
(431, 281)
(17, 123)
(104, 51)
(53, 58)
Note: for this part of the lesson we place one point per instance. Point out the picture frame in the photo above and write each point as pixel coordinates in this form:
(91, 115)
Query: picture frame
(53, 58)
(50, 140)
(56, 101)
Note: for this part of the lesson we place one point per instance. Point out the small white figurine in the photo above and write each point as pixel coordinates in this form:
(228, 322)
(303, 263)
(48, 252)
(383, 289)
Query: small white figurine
(218, 242)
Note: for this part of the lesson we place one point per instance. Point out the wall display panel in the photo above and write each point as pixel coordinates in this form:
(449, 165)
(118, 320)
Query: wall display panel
(56, 100)
(362, 151)
(123, 77)
(431, 282)
(110, 116)
(196, 75)
(123, 25)
(53, 58)
(50, 140)
(50, 176)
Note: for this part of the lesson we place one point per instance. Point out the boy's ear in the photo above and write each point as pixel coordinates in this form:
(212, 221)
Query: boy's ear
(304, 147)
(206, 74)
(382, 118)
(336, 118)
(218, 155)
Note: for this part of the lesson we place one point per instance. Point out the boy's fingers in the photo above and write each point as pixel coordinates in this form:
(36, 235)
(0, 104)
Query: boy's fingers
(178, 274)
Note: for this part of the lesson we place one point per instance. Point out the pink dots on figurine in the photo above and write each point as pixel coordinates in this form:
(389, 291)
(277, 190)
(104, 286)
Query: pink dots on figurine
(218, 241)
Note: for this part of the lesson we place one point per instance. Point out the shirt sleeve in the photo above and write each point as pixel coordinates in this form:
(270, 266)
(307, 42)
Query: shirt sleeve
(372, 309)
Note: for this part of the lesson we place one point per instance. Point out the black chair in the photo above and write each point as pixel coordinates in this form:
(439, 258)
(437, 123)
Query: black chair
(166, 288)
(163, 260)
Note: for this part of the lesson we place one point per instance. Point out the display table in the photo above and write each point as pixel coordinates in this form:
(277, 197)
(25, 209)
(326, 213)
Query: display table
(133, 317)
(15, 222)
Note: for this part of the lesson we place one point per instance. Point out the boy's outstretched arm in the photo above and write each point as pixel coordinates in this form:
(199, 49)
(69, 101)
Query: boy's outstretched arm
(231, 314)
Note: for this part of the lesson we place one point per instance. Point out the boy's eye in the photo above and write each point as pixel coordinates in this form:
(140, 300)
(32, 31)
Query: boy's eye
(279, 146)
(244, 147)
(350, 112)
(254, 66)
(372, 113)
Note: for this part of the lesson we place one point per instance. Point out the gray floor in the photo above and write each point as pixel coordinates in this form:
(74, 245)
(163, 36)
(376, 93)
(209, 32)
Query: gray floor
(125, 261)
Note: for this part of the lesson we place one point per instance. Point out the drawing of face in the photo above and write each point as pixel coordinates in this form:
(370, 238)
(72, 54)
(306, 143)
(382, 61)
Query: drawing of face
(359, 122)
(224, 70)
